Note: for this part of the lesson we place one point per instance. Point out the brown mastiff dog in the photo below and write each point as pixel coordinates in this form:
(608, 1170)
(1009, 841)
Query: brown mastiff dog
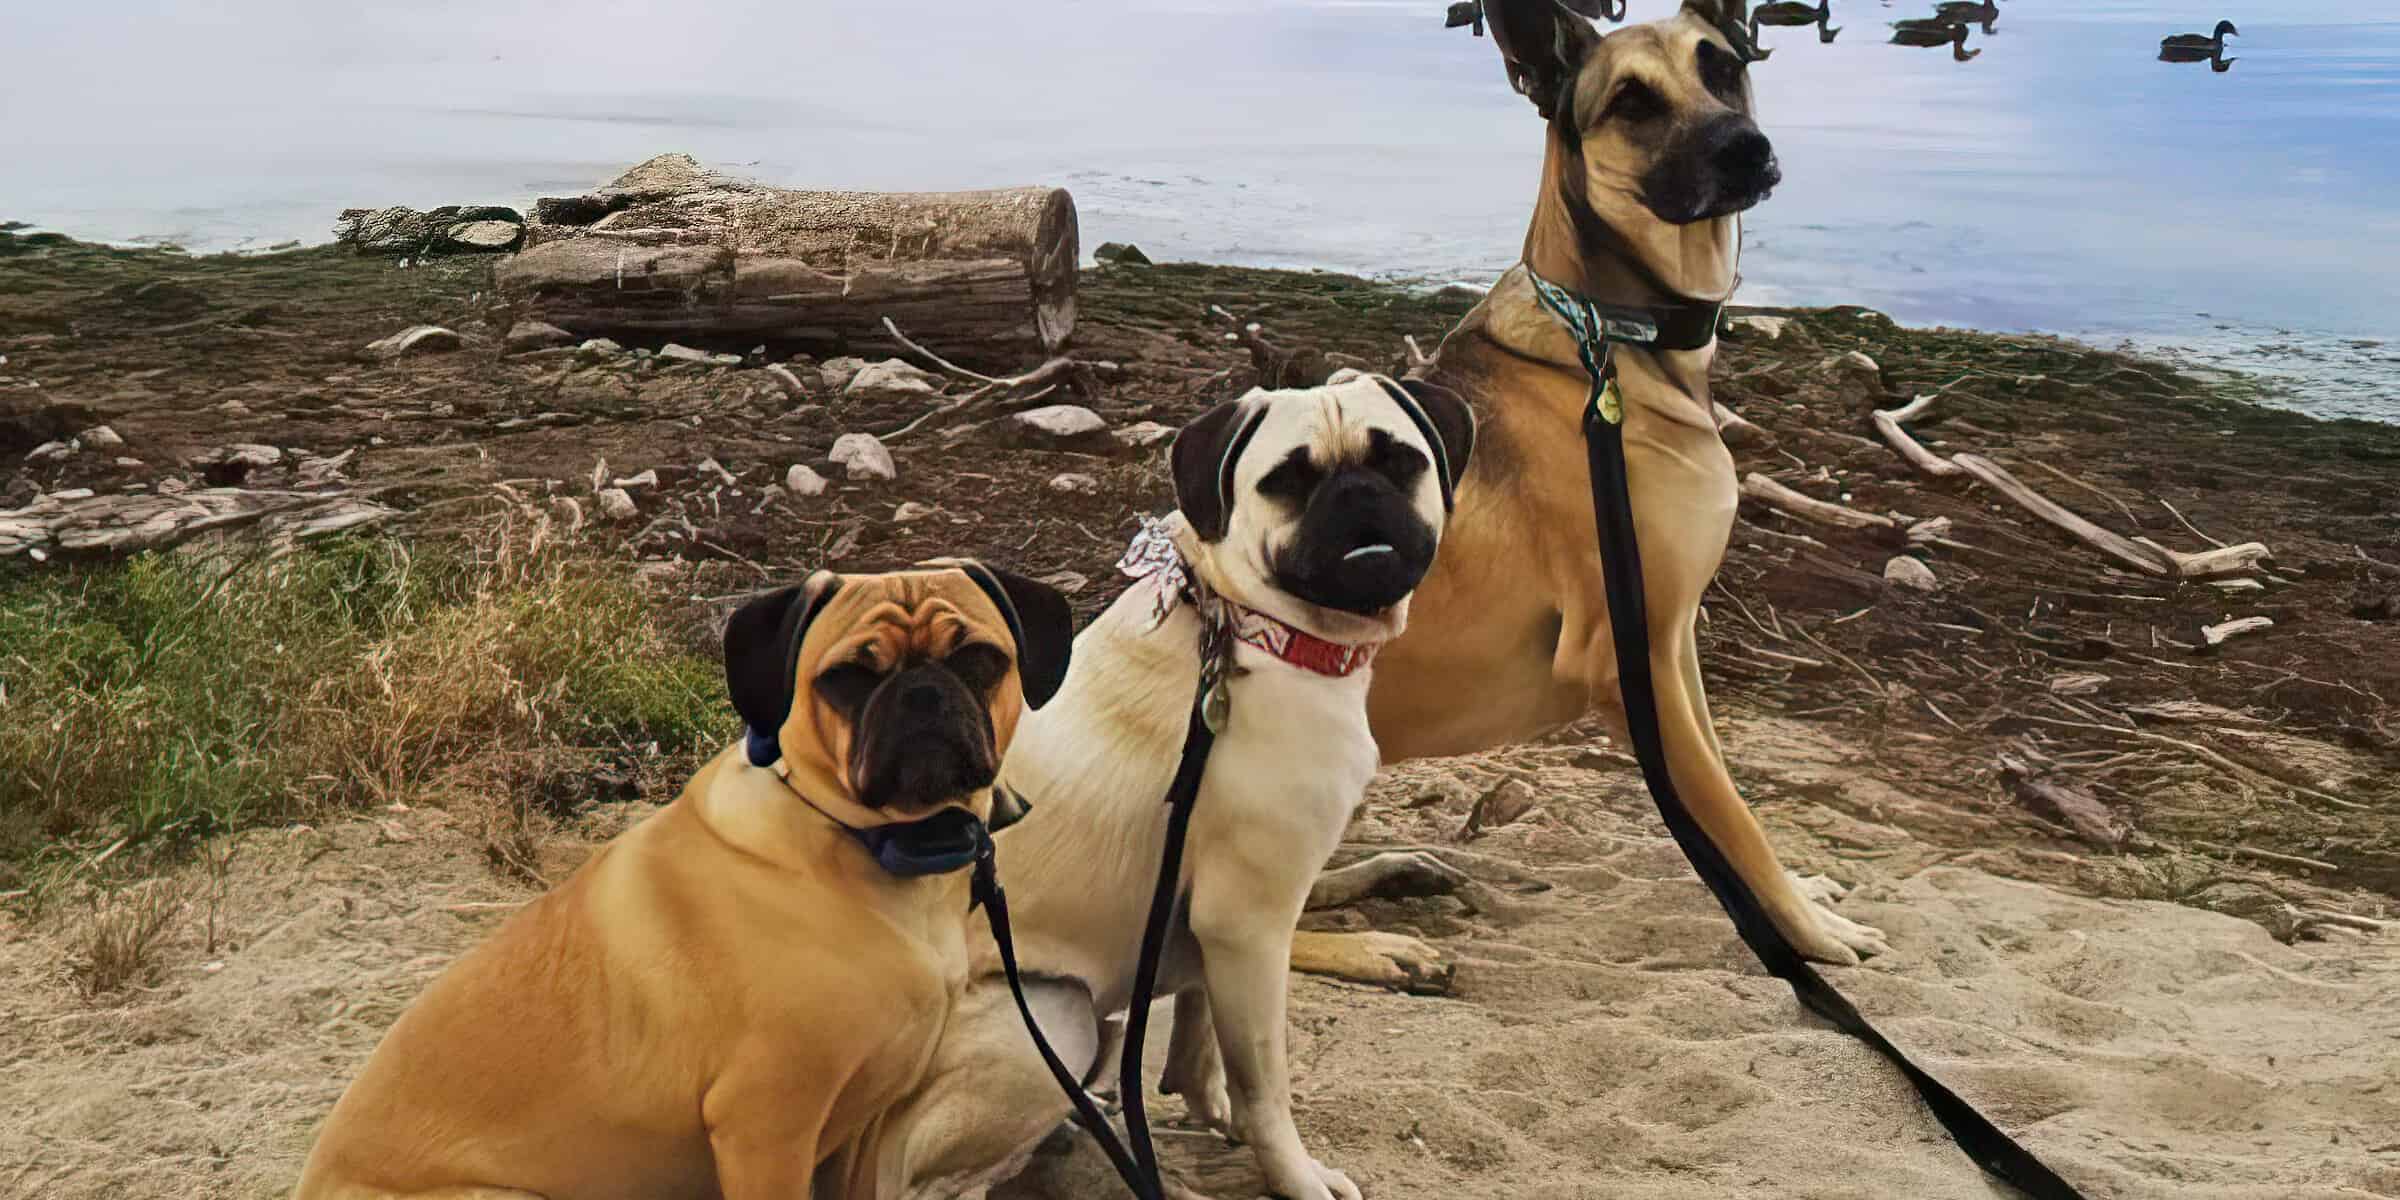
(727, 999)
(1651, 155)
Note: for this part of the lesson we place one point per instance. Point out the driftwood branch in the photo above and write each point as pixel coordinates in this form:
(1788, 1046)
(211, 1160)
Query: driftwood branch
(1808, 508)
(1889, 425)
(1083, 377)
(1733, 428)
(2218, 635)
(2142, 555)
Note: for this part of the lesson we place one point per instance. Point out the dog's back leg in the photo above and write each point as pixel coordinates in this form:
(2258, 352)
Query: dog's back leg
(987, 1100)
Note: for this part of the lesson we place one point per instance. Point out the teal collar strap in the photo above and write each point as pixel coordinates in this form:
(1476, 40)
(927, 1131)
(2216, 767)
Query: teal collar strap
(1685, 325)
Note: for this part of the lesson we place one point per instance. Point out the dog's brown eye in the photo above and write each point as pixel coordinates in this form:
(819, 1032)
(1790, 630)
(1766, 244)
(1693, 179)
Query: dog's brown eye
(1635, 101)
(979, 665)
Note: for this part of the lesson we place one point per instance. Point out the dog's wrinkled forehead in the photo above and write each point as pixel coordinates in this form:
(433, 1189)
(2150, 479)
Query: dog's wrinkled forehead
(1335, 426)
(885, 621)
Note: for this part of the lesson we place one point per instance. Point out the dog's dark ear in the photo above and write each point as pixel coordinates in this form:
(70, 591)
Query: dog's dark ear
(762, 648)
(1544, 43)
(1732, 19)
(1446, 422)
(1039, 618)
(1203, 460)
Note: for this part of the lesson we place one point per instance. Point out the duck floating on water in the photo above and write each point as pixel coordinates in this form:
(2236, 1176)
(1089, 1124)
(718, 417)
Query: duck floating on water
(2215, 59)
(1793, 14)
(1933, 31)
(1978, 12)
(2209, 43)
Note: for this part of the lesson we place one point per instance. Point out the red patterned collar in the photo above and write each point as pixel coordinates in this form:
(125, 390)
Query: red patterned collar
(1155, 559)
(1297, 646)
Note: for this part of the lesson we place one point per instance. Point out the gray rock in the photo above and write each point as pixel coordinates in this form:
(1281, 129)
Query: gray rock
(863, 456)
(1056, 425)
(527, 336)
(1765, 329)
(599, 348)
(417, 339)
(1124, 254)
(1075, 483)
(128, 463)
(891, 379)
(615, 505)
(1143, 435)
(803, 480)
(911, 510)
(1903, 571)
(481, 237)
(837, 372)
(401, 230)
(672, 352)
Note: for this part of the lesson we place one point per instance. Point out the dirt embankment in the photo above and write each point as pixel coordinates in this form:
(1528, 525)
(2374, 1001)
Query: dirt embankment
(1606, 1035)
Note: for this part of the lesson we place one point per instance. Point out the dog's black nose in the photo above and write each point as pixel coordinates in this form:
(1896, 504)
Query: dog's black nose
(923, 699)
(1746, 152)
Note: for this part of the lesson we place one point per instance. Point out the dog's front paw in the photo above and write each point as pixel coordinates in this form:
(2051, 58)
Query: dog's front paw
(1828, 936)
(1389, 960)
(1309, 1179)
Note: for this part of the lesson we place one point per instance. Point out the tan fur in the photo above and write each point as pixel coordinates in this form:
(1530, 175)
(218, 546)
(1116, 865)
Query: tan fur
(1510, 636)
(726, 1000)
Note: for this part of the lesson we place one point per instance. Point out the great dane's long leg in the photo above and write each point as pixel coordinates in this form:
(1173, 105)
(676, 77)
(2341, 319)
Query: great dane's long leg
(1683, 493)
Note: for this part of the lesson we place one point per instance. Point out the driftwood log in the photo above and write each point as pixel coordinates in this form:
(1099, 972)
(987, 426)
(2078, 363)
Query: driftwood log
(672, 250)
(2145, 556)
(78, 522)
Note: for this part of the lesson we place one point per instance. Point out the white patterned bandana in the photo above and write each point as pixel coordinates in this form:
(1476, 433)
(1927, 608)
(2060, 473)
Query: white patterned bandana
(1152, 557)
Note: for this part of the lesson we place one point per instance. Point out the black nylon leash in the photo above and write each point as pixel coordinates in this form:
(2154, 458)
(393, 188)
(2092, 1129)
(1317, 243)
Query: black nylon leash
(1620, 554)
(1135, 1158)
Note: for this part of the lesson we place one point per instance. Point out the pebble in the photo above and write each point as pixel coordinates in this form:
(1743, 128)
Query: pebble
(803, 480)
(1058, 423)
(1903, 571)
(910, 510)
(416, 339)
(599, 348)
(100, 437)
(891, 379)
(616, 505)
(672, 352)
(864, 456)
(837, 372)
(1142, 435)
(1075, 483)
(527, 336)
(1766, 328)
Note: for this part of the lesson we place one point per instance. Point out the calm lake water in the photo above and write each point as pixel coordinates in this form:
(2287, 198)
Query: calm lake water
(2063, 180)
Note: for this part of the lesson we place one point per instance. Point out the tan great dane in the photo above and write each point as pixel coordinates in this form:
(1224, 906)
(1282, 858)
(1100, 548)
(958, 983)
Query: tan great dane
(1651, 155)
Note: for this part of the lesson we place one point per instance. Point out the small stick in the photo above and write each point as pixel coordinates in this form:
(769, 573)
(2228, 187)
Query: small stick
(2187, 524)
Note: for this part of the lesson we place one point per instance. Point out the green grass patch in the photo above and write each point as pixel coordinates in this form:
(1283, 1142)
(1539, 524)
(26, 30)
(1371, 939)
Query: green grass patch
(173, 696)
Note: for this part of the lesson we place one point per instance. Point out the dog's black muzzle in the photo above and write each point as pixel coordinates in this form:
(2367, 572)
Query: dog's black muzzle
(924, 739)
(1718, 167)
(1361, 547)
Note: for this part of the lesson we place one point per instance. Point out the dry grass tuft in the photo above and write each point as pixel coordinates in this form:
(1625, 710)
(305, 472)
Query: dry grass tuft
(118, 944)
